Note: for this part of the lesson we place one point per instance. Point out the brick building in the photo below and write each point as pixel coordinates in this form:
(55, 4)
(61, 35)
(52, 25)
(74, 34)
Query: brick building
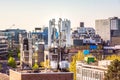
(15, 75)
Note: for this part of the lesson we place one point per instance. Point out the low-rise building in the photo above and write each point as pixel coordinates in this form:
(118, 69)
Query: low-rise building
(23, 75)
(4, 76)
(85, 35)
(92, 71)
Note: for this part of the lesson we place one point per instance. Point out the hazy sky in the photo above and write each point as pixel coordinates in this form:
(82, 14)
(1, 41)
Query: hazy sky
(27, 14)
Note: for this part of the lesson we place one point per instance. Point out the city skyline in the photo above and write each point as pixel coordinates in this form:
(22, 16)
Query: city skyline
(27, 14)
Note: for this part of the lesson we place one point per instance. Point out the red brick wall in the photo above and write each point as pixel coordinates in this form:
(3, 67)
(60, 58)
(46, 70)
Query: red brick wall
(47, 76)
(42, 76)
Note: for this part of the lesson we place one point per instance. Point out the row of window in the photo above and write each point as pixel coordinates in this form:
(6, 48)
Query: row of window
(90, 74)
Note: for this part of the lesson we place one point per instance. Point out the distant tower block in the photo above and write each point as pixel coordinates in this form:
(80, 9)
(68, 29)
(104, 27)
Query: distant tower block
(50, 31)
(81, 24)
(66, 26)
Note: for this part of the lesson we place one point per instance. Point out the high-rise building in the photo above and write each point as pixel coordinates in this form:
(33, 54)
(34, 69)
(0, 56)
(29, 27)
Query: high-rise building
(16, 34)
(66, 27)
(32, 51)
(63, 28)
(3, 45)
(108, 28)
(13, 36)
(103, 28)
(51, 32)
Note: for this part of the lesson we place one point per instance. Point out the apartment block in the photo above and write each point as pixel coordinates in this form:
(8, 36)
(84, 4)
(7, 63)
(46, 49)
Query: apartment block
(3, 45)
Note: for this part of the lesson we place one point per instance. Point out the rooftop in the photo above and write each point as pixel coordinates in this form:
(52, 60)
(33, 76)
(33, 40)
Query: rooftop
(40, 71)
(4, 76)
(103, 64)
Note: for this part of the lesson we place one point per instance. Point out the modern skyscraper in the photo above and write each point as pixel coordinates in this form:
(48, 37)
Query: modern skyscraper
(64, 27)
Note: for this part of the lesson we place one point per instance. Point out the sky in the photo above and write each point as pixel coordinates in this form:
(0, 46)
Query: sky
(28, 14)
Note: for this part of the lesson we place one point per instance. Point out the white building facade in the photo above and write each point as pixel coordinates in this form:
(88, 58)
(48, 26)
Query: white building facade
(63, 28)
(91, 72)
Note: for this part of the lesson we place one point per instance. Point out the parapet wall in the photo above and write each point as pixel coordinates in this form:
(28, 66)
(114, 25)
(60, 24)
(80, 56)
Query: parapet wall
(14, 75)
(41, 76)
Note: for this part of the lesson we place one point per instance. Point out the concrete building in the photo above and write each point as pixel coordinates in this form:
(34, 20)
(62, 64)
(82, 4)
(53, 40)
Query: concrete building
(85, 35)
(16, 34)
(41, 34)
(103, 29)
(3, 45)
(51, 31)
(108, 29)
(65, 33)
(24, 75)
(32, 51)
(10, 38)
(63, 28)
(92, 71)
(57, 56)
(13, 36)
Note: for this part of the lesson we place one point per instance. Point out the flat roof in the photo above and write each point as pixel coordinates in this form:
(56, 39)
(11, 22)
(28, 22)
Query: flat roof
(39, 72)
(4, 76)
(93, 66)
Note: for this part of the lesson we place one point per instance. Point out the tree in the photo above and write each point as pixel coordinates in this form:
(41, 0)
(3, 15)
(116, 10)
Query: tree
(45, 64)
(73, 66)
(78, 57)
(11, 62)
(35, 57)
(113, 72)
(113, 57)
(18, 50)
(35, 67)
(18, 56)
(42, 64)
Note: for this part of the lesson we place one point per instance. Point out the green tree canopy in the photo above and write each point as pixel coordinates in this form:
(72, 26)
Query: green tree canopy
(18, 55)
(113, 72)
(11, 62)
(113, 57)
(18, 50)
(78, 57)
(35, 66)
